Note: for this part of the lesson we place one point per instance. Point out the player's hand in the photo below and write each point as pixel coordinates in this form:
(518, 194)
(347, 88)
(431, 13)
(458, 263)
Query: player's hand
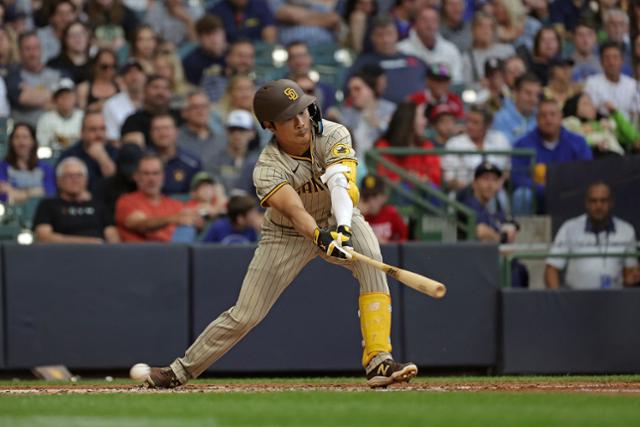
(332, 241)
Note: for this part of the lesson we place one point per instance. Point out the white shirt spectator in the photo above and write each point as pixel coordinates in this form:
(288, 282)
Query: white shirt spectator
(5, 109)
(622, 94)
(56, 131)
(462, 167)
(576, 236)
(116, 110)
(444, 52)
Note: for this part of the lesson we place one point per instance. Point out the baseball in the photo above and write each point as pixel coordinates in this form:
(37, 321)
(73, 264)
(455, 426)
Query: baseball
(139, 371)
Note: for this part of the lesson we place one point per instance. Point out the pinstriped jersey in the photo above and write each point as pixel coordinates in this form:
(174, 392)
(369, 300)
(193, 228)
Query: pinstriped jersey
(276, 168)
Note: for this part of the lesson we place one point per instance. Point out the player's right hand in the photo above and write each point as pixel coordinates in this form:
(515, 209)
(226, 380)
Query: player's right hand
(331, 242)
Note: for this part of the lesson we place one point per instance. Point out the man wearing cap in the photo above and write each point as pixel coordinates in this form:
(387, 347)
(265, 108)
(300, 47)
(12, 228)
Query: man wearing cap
(305, 177)
(484, 47)
(60, 127)
(437, 92)
(195, 135)
(179, 165)
(30, 85)
(117, 108)
(384, 219)
(494, 82)
(426, 43)
(233, 166)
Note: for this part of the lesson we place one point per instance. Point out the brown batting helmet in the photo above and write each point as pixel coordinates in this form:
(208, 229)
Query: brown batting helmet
(280, 100)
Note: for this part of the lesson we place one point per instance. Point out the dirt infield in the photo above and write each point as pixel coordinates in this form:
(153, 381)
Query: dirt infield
(614, 387)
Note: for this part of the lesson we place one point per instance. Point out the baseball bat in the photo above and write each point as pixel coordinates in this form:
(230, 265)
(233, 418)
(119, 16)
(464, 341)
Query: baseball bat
(420, 283)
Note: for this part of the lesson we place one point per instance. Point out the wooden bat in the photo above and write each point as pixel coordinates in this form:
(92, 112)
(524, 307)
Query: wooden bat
(420, 283)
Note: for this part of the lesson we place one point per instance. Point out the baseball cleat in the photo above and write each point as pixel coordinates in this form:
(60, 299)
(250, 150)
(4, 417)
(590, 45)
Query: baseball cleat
(389, 371)
(162, 378)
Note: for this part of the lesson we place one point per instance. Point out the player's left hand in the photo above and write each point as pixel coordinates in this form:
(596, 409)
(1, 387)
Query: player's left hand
(332, 241)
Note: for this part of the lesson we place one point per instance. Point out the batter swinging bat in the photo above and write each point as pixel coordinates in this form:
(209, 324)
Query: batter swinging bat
(420, 283)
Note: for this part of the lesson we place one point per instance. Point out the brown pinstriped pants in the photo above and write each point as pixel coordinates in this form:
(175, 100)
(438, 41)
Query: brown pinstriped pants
(279, 258)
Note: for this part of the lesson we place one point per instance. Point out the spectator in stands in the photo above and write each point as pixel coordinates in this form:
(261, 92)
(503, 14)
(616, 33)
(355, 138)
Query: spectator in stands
(438, 91)
(251, 19)
(494, 83)
(61, 15)
(195, 135)
(60, 127)
(514, 26)
(406, 129)
(172, 19)
(616, 26)
(611, 85)
(102, 84)
(112, 22)
(146, 214)
(93, 149)
(238, 96)
(405, 73)
(156, 101)
(120, 106)
(207, 196)
(514, 67)
(567, 14)
(233, 167)
(358, 15)
(518, 116)
(596, 231)
(8, 55)
(299, 63)
(560, 86)
(242, 225)
(315, 21)
(604, 134)
(73, 59)
(29, 85)
(442, 120)
(111, 188)
(426, 43)
(179, 165)
(553, 144)
(453, 27)
(403, 13)
(22, 174)
(547, 45)
(73, 216)
(144, 47)
(484, 47)
(239, 60)
(169, 66)
(384, 219)
(459, 169)
(585, 54)
(366, 115)
(208, 56)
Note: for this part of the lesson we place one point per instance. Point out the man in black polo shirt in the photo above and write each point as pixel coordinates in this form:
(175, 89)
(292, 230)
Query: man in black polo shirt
(157, 93)
(208, 56)
(73, 216)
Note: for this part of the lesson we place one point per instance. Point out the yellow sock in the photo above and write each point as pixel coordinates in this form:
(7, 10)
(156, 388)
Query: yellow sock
(375, 324)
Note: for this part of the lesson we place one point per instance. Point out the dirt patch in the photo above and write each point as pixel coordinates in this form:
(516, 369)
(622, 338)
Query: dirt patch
(616, 387)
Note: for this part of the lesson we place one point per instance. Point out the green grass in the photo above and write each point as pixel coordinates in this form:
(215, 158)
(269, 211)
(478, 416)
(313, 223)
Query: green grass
(323, 408)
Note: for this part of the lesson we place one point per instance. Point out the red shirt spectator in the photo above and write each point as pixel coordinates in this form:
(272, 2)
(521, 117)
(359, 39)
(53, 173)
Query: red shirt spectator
(437, 92)
(423, 165)
(138, 201)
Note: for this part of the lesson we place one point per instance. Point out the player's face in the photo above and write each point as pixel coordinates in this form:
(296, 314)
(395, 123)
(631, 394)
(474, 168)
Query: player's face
(294, 135)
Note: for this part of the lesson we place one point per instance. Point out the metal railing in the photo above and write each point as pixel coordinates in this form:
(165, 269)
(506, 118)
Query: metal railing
(465, 218)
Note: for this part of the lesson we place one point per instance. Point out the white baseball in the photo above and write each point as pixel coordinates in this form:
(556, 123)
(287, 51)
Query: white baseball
(139, 371)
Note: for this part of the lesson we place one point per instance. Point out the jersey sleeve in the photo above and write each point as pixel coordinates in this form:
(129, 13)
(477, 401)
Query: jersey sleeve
(337, 147)
(268, 179)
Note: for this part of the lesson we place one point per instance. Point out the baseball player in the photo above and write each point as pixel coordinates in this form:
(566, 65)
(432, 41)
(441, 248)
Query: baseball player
(306, 178)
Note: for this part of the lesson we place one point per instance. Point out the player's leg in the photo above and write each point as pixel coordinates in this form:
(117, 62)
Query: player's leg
(276, 262)
(374, 306)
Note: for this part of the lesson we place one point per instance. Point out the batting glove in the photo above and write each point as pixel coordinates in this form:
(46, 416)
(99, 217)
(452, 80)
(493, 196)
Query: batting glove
(332, 241)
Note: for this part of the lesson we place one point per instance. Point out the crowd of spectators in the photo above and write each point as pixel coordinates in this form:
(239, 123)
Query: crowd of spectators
(148, 110)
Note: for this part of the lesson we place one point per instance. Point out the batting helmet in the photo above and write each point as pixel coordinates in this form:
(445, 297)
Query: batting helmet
(280, 100)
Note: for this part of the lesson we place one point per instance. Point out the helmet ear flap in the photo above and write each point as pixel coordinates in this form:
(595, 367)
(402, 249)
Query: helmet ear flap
(316, 118)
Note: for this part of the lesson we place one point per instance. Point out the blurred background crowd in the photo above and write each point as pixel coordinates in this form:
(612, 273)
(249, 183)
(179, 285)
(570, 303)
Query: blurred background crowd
(131, 120)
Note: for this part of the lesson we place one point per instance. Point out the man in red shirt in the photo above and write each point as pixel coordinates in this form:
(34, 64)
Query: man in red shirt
(147, 215)
(386, 222)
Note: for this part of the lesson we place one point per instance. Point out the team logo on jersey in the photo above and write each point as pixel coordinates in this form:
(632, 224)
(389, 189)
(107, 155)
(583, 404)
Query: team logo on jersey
(341, 150)
(179, 175)
(291, 94)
